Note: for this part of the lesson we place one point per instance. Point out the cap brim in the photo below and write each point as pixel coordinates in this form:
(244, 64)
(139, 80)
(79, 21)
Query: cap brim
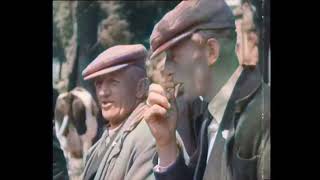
(105, 71)
(170, 43)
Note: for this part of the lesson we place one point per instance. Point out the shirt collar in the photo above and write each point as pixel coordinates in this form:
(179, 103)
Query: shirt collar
(219, 103)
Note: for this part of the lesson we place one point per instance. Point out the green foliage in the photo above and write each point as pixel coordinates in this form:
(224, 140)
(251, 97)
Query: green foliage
(82, 29)
(120, 22)
(113, 29)
(143, 15)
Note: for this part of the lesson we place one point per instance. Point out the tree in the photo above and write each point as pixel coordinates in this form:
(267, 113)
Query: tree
(143, 15)
(83, 29)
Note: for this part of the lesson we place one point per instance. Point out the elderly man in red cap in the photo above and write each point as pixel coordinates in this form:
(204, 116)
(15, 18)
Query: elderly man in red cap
(126, 148)
(196, 42)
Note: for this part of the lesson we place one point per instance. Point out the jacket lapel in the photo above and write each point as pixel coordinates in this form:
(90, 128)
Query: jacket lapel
(116, 146)
(203, 151)
(133, 120)
(245, 88)
(92, 164)
(215, 168)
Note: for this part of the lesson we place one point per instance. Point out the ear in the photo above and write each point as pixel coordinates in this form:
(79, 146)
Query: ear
(142, 88)
(213, 50)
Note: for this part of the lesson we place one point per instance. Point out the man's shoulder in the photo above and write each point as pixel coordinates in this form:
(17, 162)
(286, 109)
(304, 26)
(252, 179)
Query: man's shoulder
(140, 138)
(254, 121)
(141, 132)
(95, 146)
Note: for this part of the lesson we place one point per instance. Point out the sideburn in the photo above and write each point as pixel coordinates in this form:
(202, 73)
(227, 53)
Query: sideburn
(201, 77)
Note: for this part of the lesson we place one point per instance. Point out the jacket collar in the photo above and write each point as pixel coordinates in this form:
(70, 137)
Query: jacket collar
(246, 88)
(132, 121)
(218, 104)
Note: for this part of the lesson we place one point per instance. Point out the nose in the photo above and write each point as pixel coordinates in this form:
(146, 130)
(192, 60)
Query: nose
(104, 90)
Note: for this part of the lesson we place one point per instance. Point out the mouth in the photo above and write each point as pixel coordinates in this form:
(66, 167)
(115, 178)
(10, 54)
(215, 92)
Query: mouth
(105, 105)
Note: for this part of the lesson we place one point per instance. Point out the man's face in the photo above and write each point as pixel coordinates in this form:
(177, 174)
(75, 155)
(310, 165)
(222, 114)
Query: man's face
(247, 38)
(116, 95)
(186, 62)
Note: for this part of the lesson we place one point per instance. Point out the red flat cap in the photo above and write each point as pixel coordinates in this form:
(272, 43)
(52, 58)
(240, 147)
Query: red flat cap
(115, 58)
(187, 16)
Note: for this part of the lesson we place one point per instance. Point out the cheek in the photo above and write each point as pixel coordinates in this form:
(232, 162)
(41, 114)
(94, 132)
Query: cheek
(126, 98)
(183, 71)
(200, 78)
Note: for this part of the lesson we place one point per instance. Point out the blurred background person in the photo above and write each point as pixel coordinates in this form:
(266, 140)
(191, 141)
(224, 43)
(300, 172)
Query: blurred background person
(253, 34)
(247, 36)
(59, 164)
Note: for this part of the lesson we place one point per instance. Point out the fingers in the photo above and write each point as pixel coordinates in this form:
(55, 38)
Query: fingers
(156, 88)
(155, 112)
(161, 88)
(157, 96)
(157, 99)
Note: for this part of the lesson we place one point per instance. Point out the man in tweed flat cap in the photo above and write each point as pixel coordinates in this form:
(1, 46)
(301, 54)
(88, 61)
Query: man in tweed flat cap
(196, 41)
(126, 148)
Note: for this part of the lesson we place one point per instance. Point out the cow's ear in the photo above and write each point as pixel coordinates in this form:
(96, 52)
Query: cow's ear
(94, 107)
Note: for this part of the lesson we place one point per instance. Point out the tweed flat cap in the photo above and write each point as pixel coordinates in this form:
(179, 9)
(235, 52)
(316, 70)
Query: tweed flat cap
(187, 16)
(115, 58)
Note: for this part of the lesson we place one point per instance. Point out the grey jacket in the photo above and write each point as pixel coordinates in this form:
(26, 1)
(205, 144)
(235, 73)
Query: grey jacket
(126, 155)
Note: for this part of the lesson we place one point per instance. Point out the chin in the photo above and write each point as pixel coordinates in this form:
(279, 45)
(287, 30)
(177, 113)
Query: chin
(115, 117)
(108, 115)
